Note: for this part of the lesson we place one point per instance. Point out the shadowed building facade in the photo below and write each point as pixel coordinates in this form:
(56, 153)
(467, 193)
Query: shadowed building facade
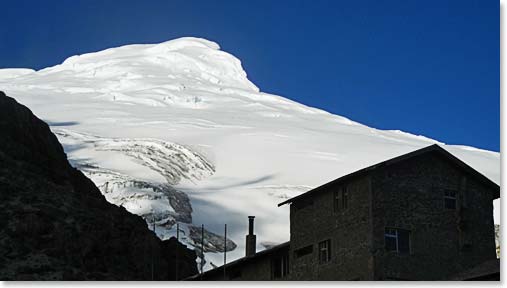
(425, 215)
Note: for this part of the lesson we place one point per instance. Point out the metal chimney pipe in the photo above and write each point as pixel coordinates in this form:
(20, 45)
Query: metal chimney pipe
(251, 225)
(250, 238)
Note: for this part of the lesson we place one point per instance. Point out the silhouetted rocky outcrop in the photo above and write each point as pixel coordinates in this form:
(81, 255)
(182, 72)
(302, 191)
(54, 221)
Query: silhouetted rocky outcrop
(56, 225)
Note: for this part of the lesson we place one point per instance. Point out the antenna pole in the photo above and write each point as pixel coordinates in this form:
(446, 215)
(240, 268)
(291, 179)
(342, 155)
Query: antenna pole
(225, 247)
(152, 256)
(177, 247)
(202, 250)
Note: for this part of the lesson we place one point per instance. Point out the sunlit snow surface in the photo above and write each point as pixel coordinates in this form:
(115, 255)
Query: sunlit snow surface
(147, 122)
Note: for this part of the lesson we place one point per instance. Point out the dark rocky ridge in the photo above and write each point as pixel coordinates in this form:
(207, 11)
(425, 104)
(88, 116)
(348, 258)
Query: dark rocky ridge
(56, 225)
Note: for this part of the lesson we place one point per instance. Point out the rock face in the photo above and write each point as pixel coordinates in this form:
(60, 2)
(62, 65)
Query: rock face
(56, 225)
(212, 242)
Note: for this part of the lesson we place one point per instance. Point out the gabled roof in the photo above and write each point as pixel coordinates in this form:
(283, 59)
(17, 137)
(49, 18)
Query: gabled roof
(429, 149)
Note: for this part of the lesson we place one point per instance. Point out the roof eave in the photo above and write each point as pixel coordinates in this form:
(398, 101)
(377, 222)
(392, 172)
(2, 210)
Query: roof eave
(433, 147)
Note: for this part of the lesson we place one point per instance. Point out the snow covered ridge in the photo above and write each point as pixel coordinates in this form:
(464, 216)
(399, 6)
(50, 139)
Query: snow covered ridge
(176, 132)
(199, 59)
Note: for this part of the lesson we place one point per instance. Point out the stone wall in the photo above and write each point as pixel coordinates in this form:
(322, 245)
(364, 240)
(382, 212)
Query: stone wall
(348, 229)
(407, 195)
(410, 195)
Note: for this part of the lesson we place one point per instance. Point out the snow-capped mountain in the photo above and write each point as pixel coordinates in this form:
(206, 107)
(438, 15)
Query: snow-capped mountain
(176, 132)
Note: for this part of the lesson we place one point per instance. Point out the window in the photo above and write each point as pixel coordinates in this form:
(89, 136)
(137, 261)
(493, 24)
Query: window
(345, 198)
(450, 199)
(280, 266)
(303, 251)
(337, 200)
(341, 199)
(397, 240)
(324, 251)
(391, 239)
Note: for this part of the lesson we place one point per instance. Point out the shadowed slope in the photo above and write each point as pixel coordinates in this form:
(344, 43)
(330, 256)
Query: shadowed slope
(56, 225)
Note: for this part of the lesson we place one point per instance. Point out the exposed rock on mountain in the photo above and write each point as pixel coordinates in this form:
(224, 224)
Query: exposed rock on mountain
(497, 240)
(56, 225)
(212, 242)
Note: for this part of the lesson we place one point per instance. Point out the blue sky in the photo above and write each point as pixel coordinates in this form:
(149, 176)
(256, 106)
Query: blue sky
(425, 67)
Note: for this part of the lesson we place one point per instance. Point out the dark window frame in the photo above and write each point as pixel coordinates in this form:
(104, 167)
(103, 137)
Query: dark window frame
(324, 249)
(396, 234)
(341, 199)
(303, 251)
(280, 267)
(450, 199)
(345, 198)
(337, 200)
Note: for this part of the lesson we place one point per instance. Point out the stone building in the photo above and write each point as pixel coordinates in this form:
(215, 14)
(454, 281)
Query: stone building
(425, 215)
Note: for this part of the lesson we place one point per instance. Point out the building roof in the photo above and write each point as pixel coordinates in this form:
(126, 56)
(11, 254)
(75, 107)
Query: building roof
(429, 149)
(241, 261)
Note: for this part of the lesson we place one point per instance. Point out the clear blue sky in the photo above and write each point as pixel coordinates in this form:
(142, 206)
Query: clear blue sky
(425, 67)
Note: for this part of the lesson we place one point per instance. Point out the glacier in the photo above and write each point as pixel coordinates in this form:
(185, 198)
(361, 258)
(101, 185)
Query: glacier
(175, 132)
